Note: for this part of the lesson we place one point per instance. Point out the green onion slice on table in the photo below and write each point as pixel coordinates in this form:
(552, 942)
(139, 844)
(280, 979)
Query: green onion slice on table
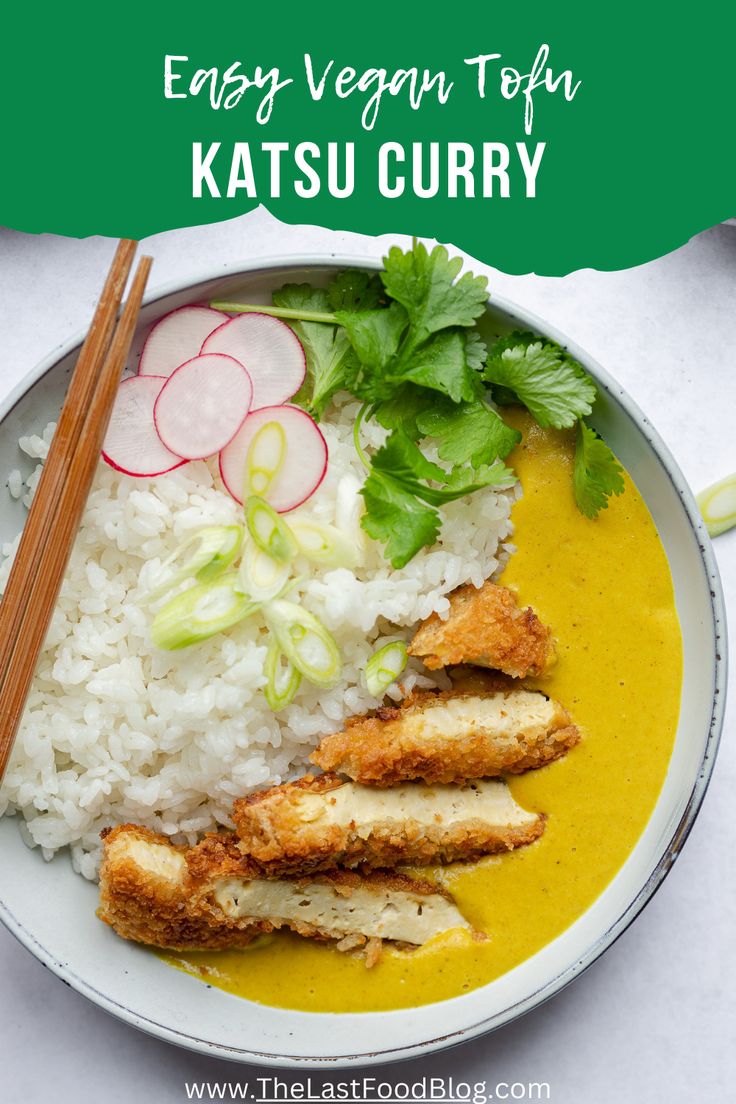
(269, 531)
(384, 667)
(200, 612)
(203, 556)
(265, 457)
(283, 679)
(305, 641)
(718, 505)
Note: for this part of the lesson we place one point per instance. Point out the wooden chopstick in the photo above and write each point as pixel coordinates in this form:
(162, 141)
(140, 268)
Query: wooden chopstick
(51, 556)
(55, 471)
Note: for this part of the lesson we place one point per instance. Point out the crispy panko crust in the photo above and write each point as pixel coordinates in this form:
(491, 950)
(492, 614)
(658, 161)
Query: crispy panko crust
(274, 834)
(180, 912)
(149, 908)
(219, 856)
(393, 746)
(486, 628)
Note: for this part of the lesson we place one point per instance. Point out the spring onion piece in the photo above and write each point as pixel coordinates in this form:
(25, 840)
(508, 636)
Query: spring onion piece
(283, 678)
(305, 641)
(718, 505)
(211, 549)
(324, 544)
(200, 612)
(262, 577)
(270, 532)
(265, 457)
(384, 667)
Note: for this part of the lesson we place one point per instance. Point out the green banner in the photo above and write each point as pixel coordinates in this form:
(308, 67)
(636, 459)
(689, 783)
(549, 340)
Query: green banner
(536, 137)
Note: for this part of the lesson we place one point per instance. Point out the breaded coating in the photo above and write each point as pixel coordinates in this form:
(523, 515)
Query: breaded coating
(486, 628)
(352, 906)
(210, 897)
(323, 822)
(145, 895)
(453, 736)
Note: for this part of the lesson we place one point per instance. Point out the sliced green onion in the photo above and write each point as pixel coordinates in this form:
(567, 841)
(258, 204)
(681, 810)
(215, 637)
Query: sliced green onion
(270, 532)
(211, 549)
(718, 505)
(265, 457)
(200, 612)
(384, 667)
(283, 678)
(305, 641)
(324, 544)
(262, 577)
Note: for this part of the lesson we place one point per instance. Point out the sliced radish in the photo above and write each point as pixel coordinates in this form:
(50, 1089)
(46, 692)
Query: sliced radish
(302, 469)
(176, 338)
(202, 405)
(269, 350)
(132, 444)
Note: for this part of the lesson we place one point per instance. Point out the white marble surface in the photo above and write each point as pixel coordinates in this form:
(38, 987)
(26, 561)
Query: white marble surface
(653, 1020)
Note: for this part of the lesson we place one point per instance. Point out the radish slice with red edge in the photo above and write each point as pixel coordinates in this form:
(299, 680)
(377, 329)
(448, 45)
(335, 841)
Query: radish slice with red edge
(132, 445)
(268, 349)
(302, 469)
(202, 405)
(176, 338)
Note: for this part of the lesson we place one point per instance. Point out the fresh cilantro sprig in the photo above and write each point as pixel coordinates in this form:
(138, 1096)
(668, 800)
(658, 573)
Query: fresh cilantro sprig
(597, 473)
(558, 392)
(552, 386)
(404, 489)
(425, 336)
(331, 359)
(405, 343)
(471, 432)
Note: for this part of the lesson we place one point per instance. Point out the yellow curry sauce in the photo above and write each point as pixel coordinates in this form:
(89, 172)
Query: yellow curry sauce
(605, 588)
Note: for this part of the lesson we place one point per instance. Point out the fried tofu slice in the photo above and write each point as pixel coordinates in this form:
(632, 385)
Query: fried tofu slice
(209, 898)
(145, 895)
(453, 736)
(344, 905)
(323, 822)
(486, 628)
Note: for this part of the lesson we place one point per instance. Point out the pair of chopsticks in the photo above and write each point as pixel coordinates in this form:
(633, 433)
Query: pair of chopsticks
(55, 515)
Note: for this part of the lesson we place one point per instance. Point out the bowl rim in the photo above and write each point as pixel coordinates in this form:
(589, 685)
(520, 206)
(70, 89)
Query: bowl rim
(529, 320)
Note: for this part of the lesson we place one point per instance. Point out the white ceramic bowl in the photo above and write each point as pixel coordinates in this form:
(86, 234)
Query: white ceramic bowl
(51, 910)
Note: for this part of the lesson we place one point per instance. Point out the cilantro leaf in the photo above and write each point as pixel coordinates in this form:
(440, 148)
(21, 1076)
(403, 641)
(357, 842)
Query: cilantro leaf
(403, 409)
(510, 340)
(331, 361)
(424, 283)
(301, 297)
(399, 500)
(375, 334)
(597, 473)
(476, 351)
(354, 290)
(405, 462)
(397, 519)
(502, 395)
(472, 432)
(466, 480)
(440, 364)
(551, 385)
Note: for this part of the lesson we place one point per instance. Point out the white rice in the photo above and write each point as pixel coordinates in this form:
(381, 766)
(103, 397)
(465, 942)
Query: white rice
(118, 731)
